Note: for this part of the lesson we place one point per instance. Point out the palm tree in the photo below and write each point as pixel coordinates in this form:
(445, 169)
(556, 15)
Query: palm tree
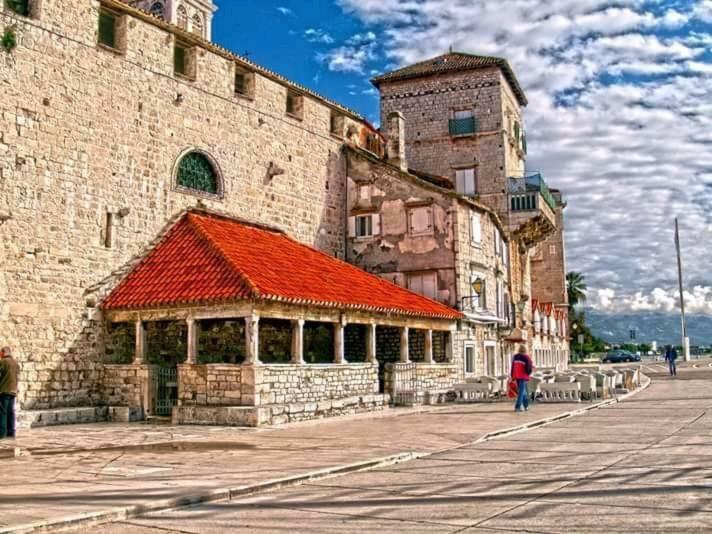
(576, 288)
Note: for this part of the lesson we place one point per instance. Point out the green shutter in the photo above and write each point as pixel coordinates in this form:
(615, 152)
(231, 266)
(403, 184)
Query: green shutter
(197, 173)
(107, 29)
(524, 143)
(21, 7)
(179, 60)
(516, 132)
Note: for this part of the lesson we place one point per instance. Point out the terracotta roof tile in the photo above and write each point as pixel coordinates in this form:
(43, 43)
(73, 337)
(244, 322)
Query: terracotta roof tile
(207, 258)
(453, 62)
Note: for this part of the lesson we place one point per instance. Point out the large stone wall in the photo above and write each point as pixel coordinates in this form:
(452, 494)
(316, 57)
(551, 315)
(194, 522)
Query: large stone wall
(289, 384)
(126, 385)
(86, 131)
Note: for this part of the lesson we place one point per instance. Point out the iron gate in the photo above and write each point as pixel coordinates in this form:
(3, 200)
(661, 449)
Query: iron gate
(164, 389)
(405, 384)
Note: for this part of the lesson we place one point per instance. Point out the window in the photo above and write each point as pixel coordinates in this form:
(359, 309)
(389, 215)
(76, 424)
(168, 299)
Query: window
(364, 193)
(184, 60)
(157, 10)
(425, 284)
(336, 123)
(108, 22)
(497, 243)
(420, 220)
(109, 230)
(197, 27)
(516, 132)
(20, 7)
(196, 172)
(476, 229)
(244, 82)
(462, 123)
(500, 299)
(182, 17)
(505, 253)
(364, 226)
(295, 105)
(465, 181)
(469, 359)
(552, 250)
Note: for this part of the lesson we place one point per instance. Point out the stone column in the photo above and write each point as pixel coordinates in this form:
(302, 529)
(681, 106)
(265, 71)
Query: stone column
(448, 347)
(298, 342)
(140, 350)
(339, 348)
(429, 347)
(404, 353)
(192, 358)
(252, 339)
(371, 355)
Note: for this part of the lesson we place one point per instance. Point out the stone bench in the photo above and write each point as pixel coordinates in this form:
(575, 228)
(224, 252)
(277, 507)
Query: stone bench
(472, 392)
(560, 392)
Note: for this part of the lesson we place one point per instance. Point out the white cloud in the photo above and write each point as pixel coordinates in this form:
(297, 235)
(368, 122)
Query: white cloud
(353, 56)
(703, 11)
(697, 302)
(620, 119)
(317, 35)
(285, 11)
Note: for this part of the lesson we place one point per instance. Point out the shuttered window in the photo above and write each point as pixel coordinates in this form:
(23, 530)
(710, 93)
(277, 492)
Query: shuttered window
(465, 181)
(180, 59)
(364, 226)
(21, 7)
(420, 220)
(107, 28)
(425, 284)
(476, 229)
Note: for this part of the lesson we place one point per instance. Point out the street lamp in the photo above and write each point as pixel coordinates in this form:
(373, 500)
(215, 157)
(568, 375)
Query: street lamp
(574, 327)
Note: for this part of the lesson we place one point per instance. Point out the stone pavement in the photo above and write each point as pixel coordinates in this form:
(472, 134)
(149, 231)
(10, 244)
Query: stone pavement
(79, 469)
(643, 465)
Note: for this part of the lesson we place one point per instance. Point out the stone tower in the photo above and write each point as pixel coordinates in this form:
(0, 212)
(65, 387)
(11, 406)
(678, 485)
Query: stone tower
(195, 16)
(463, 121)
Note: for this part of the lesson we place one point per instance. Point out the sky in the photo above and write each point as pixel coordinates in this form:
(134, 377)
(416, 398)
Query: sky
(619, 115)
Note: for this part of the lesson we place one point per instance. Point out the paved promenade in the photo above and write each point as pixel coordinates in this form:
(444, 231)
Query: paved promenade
(70, 470)
(643, 465)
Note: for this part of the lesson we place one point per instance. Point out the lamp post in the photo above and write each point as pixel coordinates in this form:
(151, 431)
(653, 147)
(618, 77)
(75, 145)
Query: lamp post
(574, 327)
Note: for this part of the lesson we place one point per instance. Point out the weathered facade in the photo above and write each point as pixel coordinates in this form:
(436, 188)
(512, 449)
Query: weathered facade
(463, 122)
(115, 121)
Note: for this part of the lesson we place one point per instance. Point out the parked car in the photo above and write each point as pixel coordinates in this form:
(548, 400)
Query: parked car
(620, 356)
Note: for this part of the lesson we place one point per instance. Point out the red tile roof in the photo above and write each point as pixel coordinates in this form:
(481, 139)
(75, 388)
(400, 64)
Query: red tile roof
(453, 62)
(207, 258)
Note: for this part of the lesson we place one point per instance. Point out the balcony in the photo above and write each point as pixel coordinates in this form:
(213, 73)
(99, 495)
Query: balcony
(461, 127)
(532, 207)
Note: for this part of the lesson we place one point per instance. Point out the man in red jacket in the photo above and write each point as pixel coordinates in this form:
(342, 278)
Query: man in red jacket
(522, 368)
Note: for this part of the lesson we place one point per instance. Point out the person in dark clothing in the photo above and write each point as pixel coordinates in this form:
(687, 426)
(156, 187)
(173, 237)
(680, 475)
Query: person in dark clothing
(522, 368)
(9, 371)
(670, 357)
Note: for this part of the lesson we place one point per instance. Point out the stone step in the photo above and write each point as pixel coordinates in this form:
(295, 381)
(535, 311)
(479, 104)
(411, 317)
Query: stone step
(61, 416)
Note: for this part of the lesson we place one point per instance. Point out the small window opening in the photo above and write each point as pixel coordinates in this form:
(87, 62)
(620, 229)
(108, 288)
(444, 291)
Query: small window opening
(109, 230)
(295, 104)
(20, 7)
(184, 60)
(108, 23)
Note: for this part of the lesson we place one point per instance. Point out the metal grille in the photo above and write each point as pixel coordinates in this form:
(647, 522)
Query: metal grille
(405, 384)
(164, 385)
(196, 172)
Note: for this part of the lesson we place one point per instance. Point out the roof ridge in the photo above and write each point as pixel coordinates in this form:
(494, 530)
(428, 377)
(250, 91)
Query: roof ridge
(192, 219)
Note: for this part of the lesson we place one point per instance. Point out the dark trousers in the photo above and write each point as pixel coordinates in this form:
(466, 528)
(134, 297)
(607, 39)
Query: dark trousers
(7, 416)
(673, 367)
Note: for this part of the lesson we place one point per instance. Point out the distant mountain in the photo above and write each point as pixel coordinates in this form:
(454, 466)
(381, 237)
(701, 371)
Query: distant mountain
(661, 327)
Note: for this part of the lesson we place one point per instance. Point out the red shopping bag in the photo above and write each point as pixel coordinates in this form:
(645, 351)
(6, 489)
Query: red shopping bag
(512, 389)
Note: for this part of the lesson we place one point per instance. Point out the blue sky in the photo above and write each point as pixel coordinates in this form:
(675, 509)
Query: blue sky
(620, 113)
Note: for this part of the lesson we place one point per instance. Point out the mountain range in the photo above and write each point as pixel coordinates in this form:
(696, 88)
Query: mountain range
(656, 326)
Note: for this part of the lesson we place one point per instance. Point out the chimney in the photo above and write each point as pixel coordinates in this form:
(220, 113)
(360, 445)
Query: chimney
(395, 148)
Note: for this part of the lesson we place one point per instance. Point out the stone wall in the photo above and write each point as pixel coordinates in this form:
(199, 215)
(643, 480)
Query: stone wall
(86, 132)
(290, 384)
(126, 385)
(437, 376)
(214, 385)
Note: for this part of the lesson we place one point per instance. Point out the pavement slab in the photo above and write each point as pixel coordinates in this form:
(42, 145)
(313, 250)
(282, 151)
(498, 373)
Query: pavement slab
(643, 465)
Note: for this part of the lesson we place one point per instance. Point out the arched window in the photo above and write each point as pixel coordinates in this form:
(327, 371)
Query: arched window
(158, 10)
(182, 17)
(198, 173)
(197, 24)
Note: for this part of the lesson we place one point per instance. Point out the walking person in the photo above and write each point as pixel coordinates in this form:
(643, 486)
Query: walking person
(522, 368)
(9, 371)
(670, 357)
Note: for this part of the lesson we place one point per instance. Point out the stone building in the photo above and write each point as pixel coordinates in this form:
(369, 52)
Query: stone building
(463, 123)
(118, 122)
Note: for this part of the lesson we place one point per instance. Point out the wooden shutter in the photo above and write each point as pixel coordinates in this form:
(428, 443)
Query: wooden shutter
(107, 28)
(376, 223)
(352, 226)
